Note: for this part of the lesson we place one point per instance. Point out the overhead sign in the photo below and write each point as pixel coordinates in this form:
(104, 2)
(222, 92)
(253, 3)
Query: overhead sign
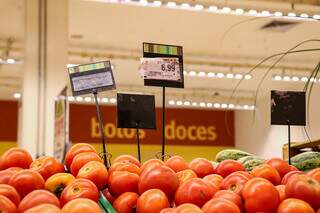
(87, 78)
(288, 107)
(164, 73)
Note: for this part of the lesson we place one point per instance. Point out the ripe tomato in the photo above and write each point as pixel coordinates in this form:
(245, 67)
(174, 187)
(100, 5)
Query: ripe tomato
(152, 201)
(305, 188)
(315, 173)
(96, 172)
(106, 193)
(231, 196)
(127, 158)
(124, 166)
(10, 192)
(220, 205)
(202, 167)
(188, 208)
(267, 172)
(79, 188)
(26, 181)
(214, 179)
(43, 208)
(196, 191)
(292, 205)
(289, 175)
(150, 163)
(280, 165)
(260, 196)
(282, 192)
(15, 157)
(293, 168)
(227, 167)
(81, 205)
(6, 205)
(47, 166)
(76, 149)
(6, 174)
(81, 159)
(126, 202)
(122, 181)
(57, 182)
(37, 197)
(177, 163)
(235, 182)
(185, 175)
(159, 177)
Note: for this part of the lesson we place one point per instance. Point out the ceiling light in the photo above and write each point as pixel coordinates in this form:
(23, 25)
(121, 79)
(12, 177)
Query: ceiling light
(211, 74)
(79, 98)
(277, 78)
(209, 104)
(143, 2)
(252, 12)
(17, 95)
(186, 103)
(220, 75)
(230, 75)
(226, 10)
(185, 73)
(231, 106)
(304, 15)
(172, 102)
(201, 74)
(239, 11)
(202, 104)
(295, 78)
(278, 14)
(157, 3)
(105, 100)
(292, 14)
(113, 100)
(286, 78)
(194, 104)
(252, 107)
(213, 8)
(11, 61)
(171, 4)
(246, 107)
(87, 99)
(247, 76)
(71, 98)
(304, 79)
(179, 103)
(192, 73)
(185, 5)
(265, 13)
(198, 7)
(239, 76)
(313, 79)
(224, 105)
(316, 16)
(216, 105)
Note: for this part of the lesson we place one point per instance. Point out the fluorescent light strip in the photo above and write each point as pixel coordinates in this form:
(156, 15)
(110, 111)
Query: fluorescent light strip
(294, 78)
(217, 75)
(90, 100)
(17, 95)
(202, 104)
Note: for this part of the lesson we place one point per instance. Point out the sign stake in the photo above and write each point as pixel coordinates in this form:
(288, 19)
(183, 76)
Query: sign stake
(163, 121)
(138, 142)
(289, 143)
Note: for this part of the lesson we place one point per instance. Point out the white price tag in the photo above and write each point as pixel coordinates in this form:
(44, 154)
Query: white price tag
(160, 69)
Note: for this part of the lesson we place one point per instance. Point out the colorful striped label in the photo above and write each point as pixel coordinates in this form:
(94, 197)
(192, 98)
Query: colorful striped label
(88, 67)
(162, 49)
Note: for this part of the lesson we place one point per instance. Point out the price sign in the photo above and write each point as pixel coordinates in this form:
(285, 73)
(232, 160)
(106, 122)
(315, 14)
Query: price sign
(87, 78)
(161, 69)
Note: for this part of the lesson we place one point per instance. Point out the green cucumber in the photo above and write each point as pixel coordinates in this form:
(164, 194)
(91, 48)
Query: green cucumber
(248, 165)
(247, 158)
(306, 160)
(233, 154)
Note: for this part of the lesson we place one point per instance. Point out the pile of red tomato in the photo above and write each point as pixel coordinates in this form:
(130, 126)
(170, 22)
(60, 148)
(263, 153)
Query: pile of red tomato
(43, 185)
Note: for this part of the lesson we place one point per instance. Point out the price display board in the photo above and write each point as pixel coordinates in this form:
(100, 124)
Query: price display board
(288, 108)
(165, 65)
(87, 78)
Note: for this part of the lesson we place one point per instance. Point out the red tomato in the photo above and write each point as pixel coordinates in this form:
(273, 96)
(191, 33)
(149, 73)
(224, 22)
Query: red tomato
(96, 172)
(150, 163)
(126, 202)
(124, 166)
(267, 172)
(122, 181)
(185, 175)
(260, 196)
(289, 175)
(220, 205)
(47, 166)
(305, 188)
(25, 181)
(159, 177)
(231, 196)
(202, 167)
(280, 165)
(214, 179)
(10, 192)
(293, 168)
(15, 157)
(235, 182)
(79, 188)
(44, 208)
(6, 174)
(37, 197)
(282, 192)
(227, 167)
(177, 163)
(196, 191)
(81, 205)
(106, 193)
(315, 173)
(76, 149)
(127, 158)
(152, 201)
(187, 208)
(81, 159)
(292, 205)
(6, 205)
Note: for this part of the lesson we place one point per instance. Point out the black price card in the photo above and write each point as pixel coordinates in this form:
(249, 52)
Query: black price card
(288, 107)
(87, 78)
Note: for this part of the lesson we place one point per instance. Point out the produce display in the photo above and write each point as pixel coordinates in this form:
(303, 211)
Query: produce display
(235, 182)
